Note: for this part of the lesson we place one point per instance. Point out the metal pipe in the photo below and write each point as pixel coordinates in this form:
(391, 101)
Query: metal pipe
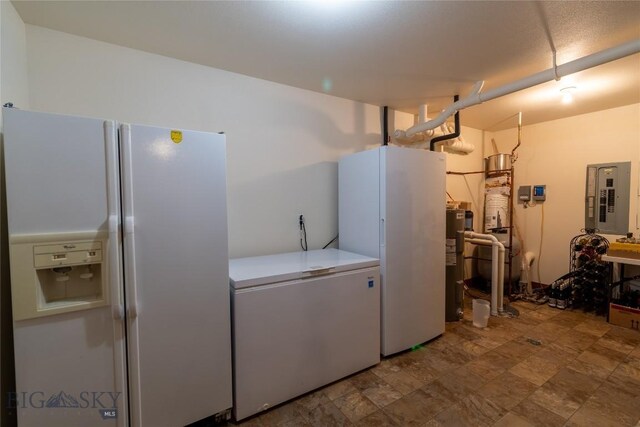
(456, 132)
(553, 73)
(512, 220)
(513, 159)
(463, 173)
(385, 125)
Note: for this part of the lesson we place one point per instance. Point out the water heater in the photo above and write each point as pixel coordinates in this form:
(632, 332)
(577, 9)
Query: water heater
(497, 190)
(454, 262)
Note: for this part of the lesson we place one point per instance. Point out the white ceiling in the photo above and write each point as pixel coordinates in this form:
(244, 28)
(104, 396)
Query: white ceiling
(400, 54)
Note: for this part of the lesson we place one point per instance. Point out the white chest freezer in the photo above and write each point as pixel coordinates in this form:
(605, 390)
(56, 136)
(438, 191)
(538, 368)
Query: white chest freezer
(301, 320)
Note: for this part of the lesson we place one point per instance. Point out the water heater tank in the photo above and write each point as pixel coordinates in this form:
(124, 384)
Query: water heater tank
(454, 264)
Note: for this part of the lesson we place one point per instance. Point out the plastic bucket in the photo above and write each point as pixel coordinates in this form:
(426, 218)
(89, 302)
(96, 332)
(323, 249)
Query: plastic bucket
(481, 312)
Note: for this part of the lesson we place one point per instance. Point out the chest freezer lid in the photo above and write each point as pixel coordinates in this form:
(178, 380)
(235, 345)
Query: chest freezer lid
(262, 270)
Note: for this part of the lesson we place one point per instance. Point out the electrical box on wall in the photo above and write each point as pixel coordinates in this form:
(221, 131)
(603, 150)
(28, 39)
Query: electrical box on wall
(539, 193)
(607, 197)
(524, 193)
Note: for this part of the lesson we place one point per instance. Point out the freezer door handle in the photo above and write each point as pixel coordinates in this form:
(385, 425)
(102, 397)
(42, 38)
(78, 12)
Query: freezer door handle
(320, 271)
(382, 232)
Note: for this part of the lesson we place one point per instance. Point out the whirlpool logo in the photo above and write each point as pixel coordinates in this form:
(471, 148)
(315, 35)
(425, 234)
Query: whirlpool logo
(106, 402)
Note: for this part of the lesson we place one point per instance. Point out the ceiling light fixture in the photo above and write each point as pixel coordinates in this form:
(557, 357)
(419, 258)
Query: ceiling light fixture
(567, 94)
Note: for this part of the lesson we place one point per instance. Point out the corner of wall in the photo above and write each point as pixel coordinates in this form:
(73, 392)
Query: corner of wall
(14, 88)
(13, 57)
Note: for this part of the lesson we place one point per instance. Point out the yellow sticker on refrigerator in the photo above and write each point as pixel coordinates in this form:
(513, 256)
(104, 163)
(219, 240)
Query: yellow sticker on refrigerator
(176, 136)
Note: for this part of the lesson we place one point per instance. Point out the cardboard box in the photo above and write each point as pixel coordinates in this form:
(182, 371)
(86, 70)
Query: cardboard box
(626, 317)
(624, 250)
(458, 204)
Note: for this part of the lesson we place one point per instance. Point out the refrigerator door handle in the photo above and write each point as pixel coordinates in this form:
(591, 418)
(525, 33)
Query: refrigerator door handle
(129, 229)
(382, 232)
(116, 305)
(113, 206)
(118, 312)
(131, 290)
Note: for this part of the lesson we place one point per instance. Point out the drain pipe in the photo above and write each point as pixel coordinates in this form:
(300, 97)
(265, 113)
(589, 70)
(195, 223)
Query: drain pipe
(497, 273)
(554, 73)
(526, 262)
(456, 131)
(497, 267)
(385, 125)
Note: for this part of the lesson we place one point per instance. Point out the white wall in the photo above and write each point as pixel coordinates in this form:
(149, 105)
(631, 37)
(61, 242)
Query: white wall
(556, 153)
(13, 88)
(283, 142)
(13, 57)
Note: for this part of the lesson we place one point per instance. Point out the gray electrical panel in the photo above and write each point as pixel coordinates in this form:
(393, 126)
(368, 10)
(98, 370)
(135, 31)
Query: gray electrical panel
(524, 193)
(607, 197)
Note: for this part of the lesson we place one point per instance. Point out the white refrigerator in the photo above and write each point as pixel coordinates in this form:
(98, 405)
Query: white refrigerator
(119, 272)
(301, 320)
(392, 207)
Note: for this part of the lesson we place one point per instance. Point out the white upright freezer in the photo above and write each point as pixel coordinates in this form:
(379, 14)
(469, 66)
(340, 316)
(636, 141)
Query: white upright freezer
(301, 320)
(119, 272)
(392, 207)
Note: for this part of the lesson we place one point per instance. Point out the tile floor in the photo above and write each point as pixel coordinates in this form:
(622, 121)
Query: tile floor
(584, 372)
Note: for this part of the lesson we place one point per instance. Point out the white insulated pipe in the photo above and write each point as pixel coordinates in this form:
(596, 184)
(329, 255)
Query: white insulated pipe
(494, 271)
(459, 144)
(497, 267)
(527, 260)
(554, 73)
(422, 113)
(501, 255)
(401, 138)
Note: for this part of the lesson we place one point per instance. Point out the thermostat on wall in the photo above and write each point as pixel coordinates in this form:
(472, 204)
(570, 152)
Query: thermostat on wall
(539, 193)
